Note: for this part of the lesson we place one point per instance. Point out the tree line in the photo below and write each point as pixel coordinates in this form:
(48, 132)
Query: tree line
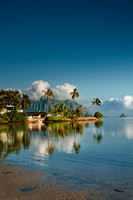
(22, 101)
(62, 109)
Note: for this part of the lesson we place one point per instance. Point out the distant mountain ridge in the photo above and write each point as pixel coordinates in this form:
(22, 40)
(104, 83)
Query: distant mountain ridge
(41, 105)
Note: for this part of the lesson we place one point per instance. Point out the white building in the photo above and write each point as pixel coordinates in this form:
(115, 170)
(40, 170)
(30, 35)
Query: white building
(8, 108)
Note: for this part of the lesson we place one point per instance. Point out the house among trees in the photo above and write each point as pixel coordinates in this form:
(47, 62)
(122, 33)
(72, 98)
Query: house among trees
(9, 108)
(34, 116)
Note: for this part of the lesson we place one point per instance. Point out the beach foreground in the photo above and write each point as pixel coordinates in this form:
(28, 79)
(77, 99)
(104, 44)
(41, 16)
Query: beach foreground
(17, 183)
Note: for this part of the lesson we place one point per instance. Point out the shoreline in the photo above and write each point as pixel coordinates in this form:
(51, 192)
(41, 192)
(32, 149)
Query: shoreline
(23, 183)
(87, 119)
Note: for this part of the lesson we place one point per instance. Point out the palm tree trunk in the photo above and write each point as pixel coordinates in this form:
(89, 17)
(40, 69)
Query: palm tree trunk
(47, 104)
(94, 111)
(74, 105)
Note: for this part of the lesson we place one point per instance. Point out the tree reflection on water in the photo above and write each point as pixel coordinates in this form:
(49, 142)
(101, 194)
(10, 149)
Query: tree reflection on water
(14, 138)
(98, 136)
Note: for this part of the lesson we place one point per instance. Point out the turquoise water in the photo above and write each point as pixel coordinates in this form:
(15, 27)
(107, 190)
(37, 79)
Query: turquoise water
(95, 156)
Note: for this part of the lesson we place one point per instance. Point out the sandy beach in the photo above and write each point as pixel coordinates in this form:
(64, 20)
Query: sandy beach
(17, 183)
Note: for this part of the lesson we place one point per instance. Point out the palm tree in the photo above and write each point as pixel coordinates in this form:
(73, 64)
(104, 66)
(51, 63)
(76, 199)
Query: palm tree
(96, 102)
(74, 95)
(62, 108)
(79, 111)
(25, 101)
(56, 109)
(50, 111)
(48, 94)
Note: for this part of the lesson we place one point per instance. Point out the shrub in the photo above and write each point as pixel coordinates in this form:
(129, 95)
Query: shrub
(98, 115)
(15, 116)
(87, 114)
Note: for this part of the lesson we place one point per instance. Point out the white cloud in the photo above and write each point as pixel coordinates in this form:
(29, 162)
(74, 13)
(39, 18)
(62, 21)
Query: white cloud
(116, 106)
(128, 102)
(35, 91)
(110, 107)
(62, 92)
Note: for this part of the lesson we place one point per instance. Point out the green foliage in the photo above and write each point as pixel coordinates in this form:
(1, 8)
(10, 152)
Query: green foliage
(62, 109)
(87, 114)
(99, 124)
(74, 94)
(16, 116)
(79, 111)
(50, 111)
(13, 116)
(4, 118)
(48, 94)
(96, 101)
(55, 109)
(98, 115)
(17, 138)
(25, 102)
(55, 118)
(14, 98)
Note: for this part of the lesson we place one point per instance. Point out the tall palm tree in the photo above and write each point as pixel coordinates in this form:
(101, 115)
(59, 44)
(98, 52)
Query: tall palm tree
(74, 94)
(48, 94)
(25, 101)
(96, 102)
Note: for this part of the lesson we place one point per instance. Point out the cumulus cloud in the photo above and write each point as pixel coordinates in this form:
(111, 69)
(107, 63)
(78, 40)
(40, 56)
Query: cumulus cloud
(128, 102)
(35, 91)
(62, 92)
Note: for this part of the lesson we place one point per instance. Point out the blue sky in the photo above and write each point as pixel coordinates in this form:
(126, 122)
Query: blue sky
(85, 43)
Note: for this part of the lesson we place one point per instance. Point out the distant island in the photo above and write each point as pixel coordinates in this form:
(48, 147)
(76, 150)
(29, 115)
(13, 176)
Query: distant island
(123, 115)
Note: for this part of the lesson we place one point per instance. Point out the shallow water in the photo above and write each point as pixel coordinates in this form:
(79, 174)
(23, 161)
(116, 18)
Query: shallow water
(95, 156)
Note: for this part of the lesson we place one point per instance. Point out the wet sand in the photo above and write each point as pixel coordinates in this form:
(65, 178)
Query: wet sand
(17, 183)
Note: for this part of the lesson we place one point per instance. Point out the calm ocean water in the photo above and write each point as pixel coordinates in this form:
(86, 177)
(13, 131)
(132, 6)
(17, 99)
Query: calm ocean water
(98, 156)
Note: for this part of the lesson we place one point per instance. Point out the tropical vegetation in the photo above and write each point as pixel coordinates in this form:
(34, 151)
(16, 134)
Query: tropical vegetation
(74, 95)
(54, 109)
(17, 101)
(98, 115)
(13, 98)
(13, 116)
(48, 94)
(96, 102)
